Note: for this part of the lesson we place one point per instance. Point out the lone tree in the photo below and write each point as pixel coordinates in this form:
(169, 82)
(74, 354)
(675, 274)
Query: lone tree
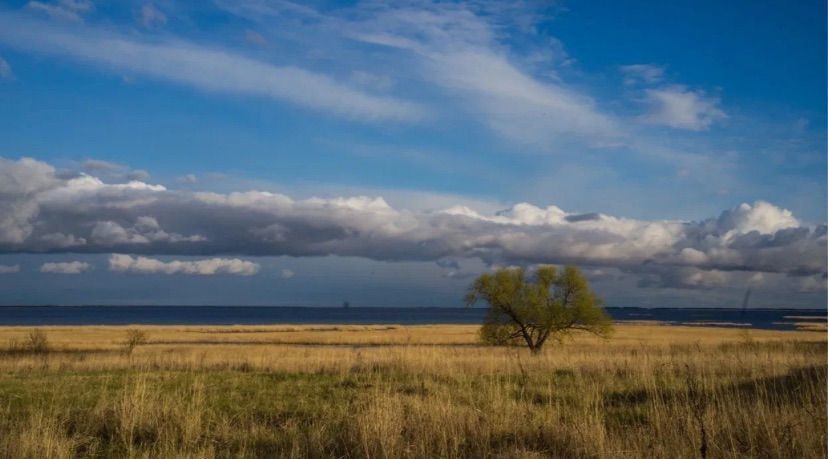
(534, 308)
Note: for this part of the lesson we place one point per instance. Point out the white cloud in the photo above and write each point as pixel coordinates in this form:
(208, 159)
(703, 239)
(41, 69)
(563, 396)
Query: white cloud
(205, 68)
(646, 73)
(372, 81)
(48, 213)
(114, 171)
(5, 70)
(287, 274)
(144, 231)
(457, 50)
(19, 180)
(67, 10)
(151, 16)
(98, 165)
(679, 107)
(208, 267)
(701, 278)
(762, 217)
(9, 269)
(72, 267)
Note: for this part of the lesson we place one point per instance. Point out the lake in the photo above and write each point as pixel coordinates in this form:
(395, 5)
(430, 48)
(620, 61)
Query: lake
(778, 319)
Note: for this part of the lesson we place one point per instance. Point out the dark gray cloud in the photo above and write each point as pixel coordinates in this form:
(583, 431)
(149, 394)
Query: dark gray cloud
(41, 211)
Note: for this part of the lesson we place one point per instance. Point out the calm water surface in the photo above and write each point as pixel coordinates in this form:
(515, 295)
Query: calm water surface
(780, 319)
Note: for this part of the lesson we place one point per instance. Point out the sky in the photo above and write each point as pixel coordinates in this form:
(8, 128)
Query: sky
(263, 152)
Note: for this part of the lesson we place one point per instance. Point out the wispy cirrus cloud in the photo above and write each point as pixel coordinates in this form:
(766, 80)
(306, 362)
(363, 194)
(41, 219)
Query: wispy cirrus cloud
(67, 10)
(441, 50)
(203, 67)
(647, 73)
(151, 16)
(458, 50)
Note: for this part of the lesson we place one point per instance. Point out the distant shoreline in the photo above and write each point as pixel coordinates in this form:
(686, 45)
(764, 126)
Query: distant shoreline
(644, 308)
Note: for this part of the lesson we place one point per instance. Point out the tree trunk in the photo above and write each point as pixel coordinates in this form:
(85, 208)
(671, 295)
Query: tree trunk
(533, 345)
(527, 336)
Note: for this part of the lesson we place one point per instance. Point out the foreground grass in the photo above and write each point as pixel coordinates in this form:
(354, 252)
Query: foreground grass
(334, 391)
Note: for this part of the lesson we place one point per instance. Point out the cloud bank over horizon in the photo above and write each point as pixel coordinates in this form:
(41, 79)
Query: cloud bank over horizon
(209, 267)
(43, 210)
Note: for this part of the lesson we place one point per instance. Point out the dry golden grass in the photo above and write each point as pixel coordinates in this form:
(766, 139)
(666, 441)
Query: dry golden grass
(411, 391)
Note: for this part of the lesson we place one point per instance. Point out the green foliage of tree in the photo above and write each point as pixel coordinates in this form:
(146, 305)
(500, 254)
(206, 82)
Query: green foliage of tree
(534, 308)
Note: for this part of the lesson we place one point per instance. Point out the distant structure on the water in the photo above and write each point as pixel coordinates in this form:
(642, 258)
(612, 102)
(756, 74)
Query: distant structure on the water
(746, 300)
(346, 304)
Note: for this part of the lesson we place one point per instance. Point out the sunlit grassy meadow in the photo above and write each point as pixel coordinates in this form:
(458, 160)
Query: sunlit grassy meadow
(410, 391)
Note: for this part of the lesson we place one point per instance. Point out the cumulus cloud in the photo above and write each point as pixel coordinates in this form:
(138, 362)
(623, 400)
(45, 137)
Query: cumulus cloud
(71, 267)
(42, 212)
(19, 181)
(679, 107)
(208, 267)
(144, 231)
(114, 171)
(700, 278)
(8, 269)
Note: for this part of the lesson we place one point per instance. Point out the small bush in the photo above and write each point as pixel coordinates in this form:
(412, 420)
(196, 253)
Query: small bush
(37, 341)
(134, 339)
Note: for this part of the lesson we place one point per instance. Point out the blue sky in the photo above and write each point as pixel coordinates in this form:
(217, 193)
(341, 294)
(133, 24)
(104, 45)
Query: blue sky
(633, 134)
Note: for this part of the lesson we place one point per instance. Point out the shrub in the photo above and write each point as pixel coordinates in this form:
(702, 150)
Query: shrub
(134, 339)
(37, 341)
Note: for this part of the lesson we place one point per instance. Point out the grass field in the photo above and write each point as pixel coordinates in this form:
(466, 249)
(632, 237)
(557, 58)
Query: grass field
(410, 391)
